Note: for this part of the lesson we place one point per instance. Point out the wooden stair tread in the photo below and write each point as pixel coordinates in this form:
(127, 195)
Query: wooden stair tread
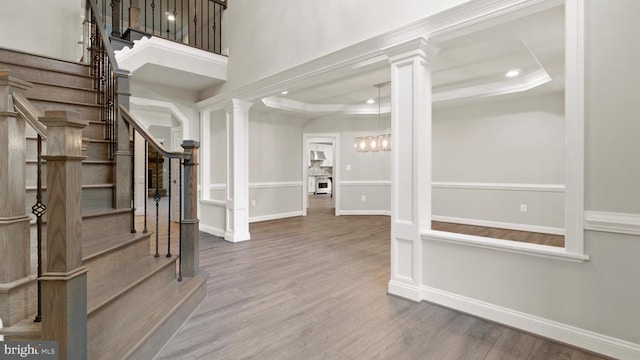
(24, 329)
(179, 293)
(108, 288)
(97, 212)
(45, 83)
(94, 247)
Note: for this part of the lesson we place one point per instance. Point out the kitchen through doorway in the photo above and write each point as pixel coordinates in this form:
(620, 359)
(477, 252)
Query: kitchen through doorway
(320, 172)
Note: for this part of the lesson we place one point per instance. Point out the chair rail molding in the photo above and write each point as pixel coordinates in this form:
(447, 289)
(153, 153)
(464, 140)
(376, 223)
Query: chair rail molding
(620, 223)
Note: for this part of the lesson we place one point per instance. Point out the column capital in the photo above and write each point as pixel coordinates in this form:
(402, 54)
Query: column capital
(421, 46)
(238, 105)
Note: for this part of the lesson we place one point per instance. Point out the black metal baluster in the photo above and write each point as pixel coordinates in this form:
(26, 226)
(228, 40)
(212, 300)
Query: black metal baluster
(201, 25)
(145, 15)
(160, 18)
(156, 198)
(195, 24)
(38, 210)
(169, 214)
(188, 25)
(215, 21)
(208, 18)
(146, 184)
(175, 21)
(153, 16)
(133, 183)
(220, 38)
(180, 219)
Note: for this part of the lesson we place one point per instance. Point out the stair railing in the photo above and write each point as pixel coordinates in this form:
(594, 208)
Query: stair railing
(104, 69)
(196, 23)
(30, 114)
(185, 159)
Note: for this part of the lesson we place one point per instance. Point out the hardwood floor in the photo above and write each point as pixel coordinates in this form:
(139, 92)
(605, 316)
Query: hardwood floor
(315, 288)
(502, 234)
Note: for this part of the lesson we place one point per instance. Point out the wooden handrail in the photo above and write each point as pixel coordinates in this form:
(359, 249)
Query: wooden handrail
(103, 34)
(28, 112)
(129, 118)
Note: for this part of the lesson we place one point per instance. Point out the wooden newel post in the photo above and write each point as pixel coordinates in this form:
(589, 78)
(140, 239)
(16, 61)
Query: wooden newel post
(16, 294)
(191, 238)
(64, 282)
(134, 15)
(115, 18)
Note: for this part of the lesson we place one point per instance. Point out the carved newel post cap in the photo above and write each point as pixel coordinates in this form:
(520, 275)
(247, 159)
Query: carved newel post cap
(190, 144)
(63, 118)
(10, 78)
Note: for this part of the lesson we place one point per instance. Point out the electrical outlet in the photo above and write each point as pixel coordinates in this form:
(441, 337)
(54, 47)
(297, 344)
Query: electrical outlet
(363, 198)
(253, 203)
(523, 207)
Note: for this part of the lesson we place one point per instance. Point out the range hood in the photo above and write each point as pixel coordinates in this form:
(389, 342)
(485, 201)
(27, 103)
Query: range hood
(317, 155)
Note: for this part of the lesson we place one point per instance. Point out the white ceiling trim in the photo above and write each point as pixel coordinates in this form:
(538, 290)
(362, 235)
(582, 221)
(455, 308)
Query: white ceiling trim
(370, 51)
(171, 107)
(275, 102)
(510, 86)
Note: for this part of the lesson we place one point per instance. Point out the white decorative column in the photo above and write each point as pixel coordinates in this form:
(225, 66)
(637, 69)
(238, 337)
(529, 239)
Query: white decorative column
(205, 155)
(237, 224)
(410, 162)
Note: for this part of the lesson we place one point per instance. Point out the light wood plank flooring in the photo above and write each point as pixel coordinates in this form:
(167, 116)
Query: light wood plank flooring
(315, 288)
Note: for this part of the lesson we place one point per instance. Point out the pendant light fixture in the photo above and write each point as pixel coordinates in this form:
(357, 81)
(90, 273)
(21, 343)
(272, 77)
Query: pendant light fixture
(374, 143)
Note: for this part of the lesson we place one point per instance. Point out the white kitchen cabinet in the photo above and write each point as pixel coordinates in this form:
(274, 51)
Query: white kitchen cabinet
(311, 186)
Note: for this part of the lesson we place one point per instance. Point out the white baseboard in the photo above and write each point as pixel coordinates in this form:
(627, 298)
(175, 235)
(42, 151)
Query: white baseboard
(274, 216)
(500, 225)
(233, 237)
(404, 290)
(211, 230)
(568, 334)
(364, 212)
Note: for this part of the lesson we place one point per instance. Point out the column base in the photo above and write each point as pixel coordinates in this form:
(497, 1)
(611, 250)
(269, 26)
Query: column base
(235, 237)
(405, 290)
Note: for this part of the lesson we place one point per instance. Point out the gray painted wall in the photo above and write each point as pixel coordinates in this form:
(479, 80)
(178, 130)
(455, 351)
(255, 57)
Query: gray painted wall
(602, 294)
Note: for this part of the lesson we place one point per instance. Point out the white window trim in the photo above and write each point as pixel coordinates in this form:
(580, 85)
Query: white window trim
(574, 151)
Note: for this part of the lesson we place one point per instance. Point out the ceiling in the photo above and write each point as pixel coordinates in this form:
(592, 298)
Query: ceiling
(468, 67)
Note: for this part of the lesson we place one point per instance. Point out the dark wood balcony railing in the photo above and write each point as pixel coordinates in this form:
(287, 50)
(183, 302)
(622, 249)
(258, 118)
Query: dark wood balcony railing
(196, 23)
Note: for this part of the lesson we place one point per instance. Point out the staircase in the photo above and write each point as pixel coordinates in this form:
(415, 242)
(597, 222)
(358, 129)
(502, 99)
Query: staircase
(135, 302)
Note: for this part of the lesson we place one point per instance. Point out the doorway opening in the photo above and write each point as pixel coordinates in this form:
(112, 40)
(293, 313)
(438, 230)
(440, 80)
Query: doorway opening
(320, 169)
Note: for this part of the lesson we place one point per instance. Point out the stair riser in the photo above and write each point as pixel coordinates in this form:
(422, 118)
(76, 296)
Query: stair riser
(91, 198)
(92, 174)
(43, 62)
(84, 111)
(18, 303)
(106, 224)
(112, 261)
(56, 93)
(35, 74)
(152, 345)
(95, 150)
(95, 130)
(123, 313)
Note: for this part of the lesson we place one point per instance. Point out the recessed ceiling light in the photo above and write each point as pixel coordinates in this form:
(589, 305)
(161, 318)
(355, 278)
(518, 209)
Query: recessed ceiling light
(171, 17)
(284, 92)
(371, 101)
(512, 73)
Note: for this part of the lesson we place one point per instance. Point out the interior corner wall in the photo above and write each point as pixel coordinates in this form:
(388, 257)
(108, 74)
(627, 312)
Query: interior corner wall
(599, 296)
(369, 174)
(46, 27)
(283, 34)
(480, 146)
(184, 100)
(275, 160)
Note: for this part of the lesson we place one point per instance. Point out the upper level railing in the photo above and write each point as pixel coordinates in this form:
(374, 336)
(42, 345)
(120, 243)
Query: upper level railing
(196, 23)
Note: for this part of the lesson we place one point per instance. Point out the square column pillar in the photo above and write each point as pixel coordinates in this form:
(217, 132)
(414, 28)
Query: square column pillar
(205, 155)
(237, 227)
(410, 162)
(64, 283)
(17, 291)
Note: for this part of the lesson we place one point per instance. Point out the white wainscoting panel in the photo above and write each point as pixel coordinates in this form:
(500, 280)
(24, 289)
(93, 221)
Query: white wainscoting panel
(612, 222)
